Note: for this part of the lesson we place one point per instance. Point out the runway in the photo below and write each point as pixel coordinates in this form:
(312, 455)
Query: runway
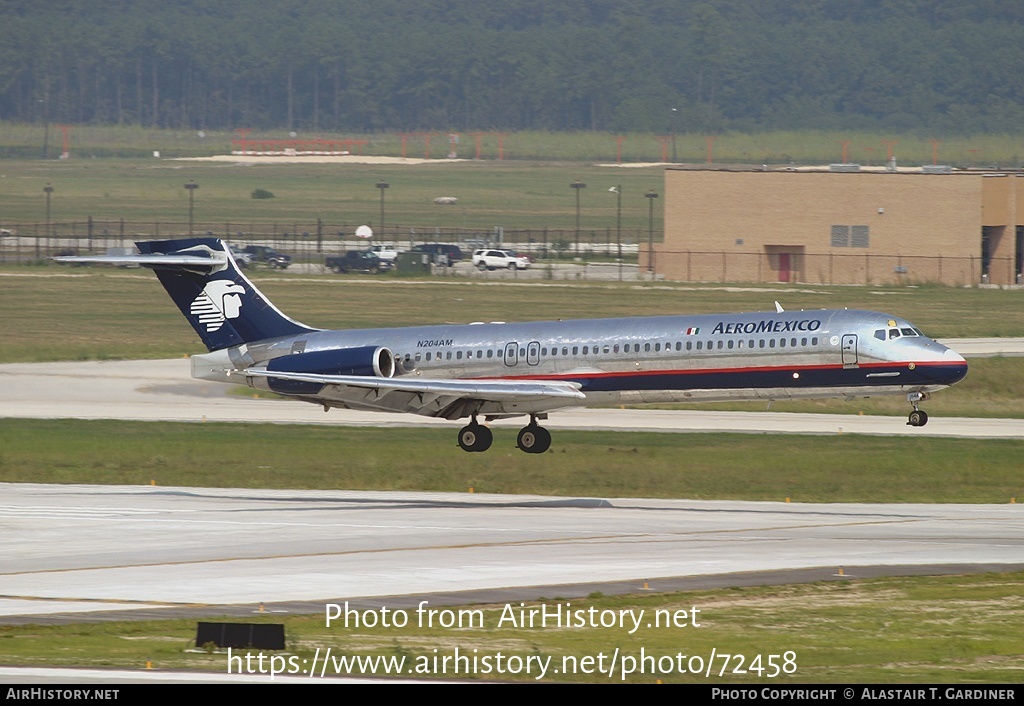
(163, 390)
(84, 549)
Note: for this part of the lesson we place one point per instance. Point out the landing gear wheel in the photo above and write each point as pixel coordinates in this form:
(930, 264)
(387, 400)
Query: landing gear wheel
(917, 418)
(475, 438)
(534, 439)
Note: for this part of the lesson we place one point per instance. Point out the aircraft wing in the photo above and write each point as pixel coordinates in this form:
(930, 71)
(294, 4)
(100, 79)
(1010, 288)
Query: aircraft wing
(448, 398)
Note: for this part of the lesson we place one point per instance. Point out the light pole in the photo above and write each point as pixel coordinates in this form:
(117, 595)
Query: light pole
(675, 114)
(48, 190)
(650, 196)
(191, 186)
(576, 186)
(382, 185)
(617, 190)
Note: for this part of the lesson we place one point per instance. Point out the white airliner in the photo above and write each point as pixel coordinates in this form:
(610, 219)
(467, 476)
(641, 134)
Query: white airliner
(499, 370)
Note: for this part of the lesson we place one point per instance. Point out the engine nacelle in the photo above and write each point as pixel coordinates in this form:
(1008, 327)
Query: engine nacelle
(372, 361)
(368, 361)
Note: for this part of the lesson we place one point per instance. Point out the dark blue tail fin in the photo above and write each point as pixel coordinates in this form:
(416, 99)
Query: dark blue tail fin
(222, 305)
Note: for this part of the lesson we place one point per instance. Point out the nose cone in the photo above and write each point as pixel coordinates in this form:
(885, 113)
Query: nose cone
(951, 368)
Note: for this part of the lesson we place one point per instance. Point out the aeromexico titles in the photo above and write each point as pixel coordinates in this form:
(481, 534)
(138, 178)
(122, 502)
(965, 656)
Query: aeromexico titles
(496, 370)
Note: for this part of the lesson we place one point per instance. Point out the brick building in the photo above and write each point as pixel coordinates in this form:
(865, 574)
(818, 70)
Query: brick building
(821, 226)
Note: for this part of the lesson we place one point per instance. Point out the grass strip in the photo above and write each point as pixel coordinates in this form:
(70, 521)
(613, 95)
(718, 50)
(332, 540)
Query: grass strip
(957, 629)
(841, 468)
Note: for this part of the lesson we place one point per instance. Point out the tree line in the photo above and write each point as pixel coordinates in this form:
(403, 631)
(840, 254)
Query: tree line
(661, 66)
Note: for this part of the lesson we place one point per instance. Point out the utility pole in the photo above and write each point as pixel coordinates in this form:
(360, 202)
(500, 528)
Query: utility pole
(191, 187)
(650, 195)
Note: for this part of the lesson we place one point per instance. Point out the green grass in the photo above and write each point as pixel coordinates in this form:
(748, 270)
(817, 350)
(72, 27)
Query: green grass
(530, 190)
(58, 313)
(513, 195)
(938, 630)
(841, 468)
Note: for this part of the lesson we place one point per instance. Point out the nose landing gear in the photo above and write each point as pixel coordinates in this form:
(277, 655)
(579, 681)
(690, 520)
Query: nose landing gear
(917, 418)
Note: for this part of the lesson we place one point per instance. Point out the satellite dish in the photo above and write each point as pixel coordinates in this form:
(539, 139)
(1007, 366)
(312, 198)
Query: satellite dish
(364, 232)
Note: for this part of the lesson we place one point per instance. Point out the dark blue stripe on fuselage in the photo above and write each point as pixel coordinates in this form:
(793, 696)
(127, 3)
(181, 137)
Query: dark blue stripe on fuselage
(762, 378)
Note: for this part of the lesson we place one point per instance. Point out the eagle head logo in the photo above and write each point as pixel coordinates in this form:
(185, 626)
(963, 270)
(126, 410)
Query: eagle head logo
(217, 302)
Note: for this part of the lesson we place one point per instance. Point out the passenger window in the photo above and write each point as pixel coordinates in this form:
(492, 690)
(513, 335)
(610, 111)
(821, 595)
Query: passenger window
(719, 345)
(575, 350)
(792, 342)
(730, 345)
(814, 341)
(647, 348)
(428, 356)
(689, 345)
(760, 343)
(615, 348)
(699, 344)
(771, 343)
(803, 341)
(782, 343)
(585, 350)
(606, 350)
(458, 355)
(657, 348)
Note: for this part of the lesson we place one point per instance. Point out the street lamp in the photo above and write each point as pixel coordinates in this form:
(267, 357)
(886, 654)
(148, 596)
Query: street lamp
(675, 114)
(382, 185)
(617, 190)
(577, 185)
(48, 190)
(191, 186)
(650, 196)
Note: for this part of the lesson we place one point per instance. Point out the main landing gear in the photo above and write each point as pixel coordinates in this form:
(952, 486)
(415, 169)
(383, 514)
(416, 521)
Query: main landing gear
(475, 437)
(917, 418)
(533, 438)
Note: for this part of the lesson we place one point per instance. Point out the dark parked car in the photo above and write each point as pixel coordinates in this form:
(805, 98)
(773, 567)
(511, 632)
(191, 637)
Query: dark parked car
(268, 256)
(357, 261)
(438, 250)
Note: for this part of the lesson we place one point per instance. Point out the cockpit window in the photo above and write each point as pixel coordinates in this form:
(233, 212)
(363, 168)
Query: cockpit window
(908, 332)
(880, 334)
(894, 333)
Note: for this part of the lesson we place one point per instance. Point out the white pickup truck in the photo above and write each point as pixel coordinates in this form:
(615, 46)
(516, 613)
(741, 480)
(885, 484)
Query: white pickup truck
(388, 253)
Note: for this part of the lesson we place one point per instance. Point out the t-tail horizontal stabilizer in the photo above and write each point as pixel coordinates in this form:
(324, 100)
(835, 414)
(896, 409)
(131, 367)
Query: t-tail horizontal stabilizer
(223, 306)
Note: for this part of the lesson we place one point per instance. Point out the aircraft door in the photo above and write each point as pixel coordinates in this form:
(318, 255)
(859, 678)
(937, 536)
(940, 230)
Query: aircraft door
(533, 353)
(850, 350)
(511, 354)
